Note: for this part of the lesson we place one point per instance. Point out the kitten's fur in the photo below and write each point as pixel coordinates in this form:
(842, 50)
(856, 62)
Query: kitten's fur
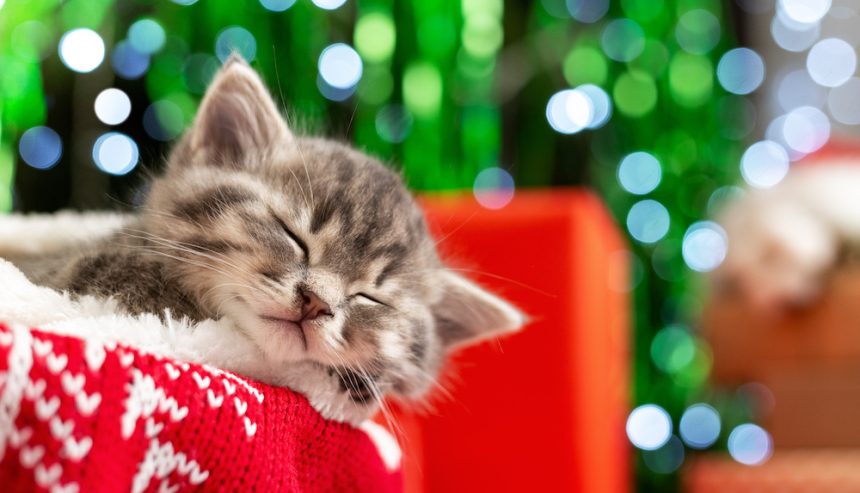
(783, 241)
(256, 224)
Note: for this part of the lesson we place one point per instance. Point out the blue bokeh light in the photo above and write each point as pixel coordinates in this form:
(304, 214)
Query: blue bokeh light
(40, 147)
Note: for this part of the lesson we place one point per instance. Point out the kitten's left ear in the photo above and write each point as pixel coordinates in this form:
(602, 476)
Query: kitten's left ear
(237, 115)
(468, 314)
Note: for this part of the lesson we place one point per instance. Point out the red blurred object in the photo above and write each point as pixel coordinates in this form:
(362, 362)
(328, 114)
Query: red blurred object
(542, 410)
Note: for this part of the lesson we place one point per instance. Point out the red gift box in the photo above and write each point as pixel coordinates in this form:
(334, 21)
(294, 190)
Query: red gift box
(544, 409)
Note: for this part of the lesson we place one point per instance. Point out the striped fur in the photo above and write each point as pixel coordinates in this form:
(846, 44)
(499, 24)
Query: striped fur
(248, 216)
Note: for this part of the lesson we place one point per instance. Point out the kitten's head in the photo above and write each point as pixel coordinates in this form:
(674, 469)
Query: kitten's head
(317, 251)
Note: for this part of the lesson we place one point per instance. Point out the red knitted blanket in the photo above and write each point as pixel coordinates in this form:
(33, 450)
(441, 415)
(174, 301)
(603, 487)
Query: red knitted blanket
(78, 416)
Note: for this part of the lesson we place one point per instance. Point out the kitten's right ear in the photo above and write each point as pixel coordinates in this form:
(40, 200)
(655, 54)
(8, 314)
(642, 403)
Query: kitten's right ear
(237, 116)
(467, 313)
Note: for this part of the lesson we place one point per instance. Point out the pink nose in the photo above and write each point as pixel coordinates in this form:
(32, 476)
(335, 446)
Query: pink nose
(312, 306)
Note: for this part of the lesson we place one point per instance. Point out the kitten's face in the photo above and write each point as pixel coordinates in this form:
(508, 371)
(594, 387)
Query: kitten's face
(316, 251)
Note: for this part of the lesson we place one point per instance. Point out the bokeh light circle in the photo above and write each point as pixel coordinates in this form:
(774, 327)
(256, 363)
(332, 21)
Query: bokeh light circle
(82, 50)
(146, 36)
(804, 11)
(635, 93)
(329, 4)
(277, 5)
(494, 188)
(115, 153)
(238, 39)
(375, 36)
(622, 40)
(691, 79)
(585, 65)
(831, 62)
(672, 349)
(601, 105)
(163, 120)
(704, 246)
(40, 147)
(588, 11)
(127, 62)
(422, 89)
(843, 102)
(393, 123)
(794, 38)
(112, 106)
(649, 427)
(764, 164)
(698, 31)
(648, 221)
(666, 459)
(700, 426)
(806, 129)
(740, 71)
(340, 66)
(639, 173)
(569, 111)
(750, 444)
(797, 88)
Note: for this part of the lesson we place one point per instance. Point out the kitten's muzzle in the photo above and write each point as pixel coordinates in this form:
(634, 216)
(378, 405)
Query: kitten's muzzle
(313, 307)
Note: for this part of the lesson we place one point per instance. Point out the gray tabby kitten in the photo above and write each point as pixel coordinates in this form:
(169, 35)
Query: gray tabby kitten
(316, 252)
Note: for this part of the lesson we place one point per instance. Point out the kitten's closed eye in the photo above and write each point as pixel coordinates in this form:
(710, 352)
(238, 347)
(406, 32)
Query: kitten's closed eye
(295, 239)
(369, 299)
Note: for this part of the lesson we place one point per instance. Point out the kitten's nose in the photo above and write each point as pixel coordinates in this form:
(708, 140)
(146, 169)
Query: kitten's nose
(312, 306)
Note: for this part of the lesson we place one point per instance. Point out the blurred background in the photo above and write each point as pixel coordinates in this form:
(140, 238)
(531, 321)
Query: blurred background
(665, 107)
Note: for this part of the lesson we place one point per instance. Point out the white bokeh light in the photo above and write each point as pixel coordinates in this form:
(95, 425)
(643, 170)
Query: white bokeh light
(340, 66)
(700, 426)
(750, 444)
(796, 89)
(804, 11)
(740, 71)
(764, 164)
(329, 4)
(649, 427)
(601, 105)
(831, 62)
(639, 173)
(704, 247)
(794, 38)
(115, 153)
(648, 221)
(569, 111)
(82, 50)
(806, 129)
(112, 106)
(843, 102)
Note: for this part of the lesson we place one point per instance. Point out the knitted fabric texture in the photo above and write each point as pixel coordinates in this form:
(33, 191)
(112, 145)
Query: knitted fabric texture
(79, 416)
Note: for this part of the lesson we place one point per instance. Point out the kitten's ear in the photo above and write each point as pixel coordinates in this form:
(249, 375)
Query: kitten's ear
(236, 116)
(467, 313)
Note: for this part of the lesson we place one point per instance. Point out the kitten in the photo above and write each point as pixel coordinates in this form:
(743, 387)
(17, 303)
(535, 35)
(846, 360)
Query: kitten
(784, 241)
(316, 253)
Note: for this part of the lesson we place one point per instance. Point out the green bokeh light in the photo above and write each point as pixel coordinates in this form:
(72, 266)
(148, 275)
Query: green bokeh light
(654, 58)
(635, 93)
(31, 41)
(672, 349)
(375, 37)
(422, 89)
(691, 79)
(698, 31)
(482, 35)
(585, 65)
